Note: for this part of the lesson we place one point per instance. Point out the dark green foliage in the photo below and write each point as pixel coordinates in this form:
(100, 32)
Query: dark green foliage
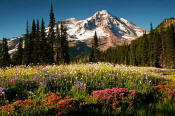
(94, 56)
(36, 47)
(58, 45)
(20, 90)
(162, 55)
(32, 42)
(80, 49)
(27, 52)
(154, 49)
(170, 46)
(44, 59)
(51, 35)
(64, 45)
(5, 55)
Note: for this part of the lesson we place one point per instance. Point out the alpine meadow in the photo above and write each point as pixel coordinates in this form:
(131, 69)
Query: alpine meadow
(103, 65)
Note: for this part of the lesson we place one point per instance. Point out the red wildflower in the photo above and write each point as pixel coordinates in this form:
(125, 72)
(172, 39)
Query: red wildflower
(10, 82)
(114, 96)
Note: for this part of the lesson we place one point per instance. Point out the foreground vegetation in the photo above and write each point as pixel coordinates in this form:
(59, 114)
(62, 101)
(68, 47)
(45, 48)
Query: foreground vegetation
(86, 89)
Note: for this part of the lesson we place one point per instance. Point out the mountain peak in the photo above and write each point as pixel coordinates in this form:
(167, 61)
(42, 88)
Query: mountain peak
(102, 13)
(72, 19)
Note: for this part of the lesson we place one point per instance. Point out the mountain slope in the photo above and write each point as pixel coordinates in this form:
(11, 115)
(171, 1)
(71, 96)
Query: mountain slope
(110, 29)
(104, 24)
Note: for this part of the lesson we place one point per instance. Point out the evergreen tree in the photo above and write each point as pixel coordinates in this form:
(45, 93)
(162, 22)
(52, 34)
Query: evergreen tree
(36, 51)
(64, 45)
(151, 57)
(145, 48)
(139, 51)
(43, 45)
(27, 52)
(94, 57)
(58, 45)
(151, 27)
(157, 50)
(163, 53)
(5, 55)
(132, 59)
(33, 43)
(51, 34)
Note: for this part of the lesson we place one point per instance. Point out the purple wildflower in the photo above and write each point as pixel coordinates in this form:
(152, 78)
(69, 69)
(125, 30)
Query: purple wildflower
(3, 90)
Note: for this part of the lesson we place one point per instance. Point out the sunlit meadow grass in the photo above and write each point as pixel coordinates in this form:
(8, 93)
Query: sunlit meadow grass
(77, 81)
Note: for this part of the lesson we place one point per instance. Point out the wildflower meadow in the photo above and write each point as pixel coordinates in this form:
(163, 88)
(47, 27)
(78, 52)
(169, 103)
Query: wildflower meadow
(98, 89)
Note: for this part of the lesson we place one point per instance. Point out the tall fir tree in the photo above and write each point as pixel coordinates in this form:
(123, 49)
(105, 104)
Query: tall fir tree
(151, 57)
(64, 45)
(33, 42)
(43, 44)
(5, 55)
(36, 46)
(94, 57)
(58, 45)
(27, 53)
(163, 53)
(51, 34)
(145, 48)
(156, 50)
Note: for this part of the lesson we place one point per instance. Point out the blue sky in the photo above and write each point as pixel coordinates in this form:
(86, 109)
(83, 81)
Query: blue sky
(15, 13)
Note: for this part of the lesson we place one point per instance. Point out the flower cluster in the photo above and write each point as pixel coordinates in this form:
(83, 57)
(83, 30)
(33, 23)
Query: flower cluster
(50, 102)
(62, 106)
(13, 107)
(79, 85)
(162, 90)
(115, 97)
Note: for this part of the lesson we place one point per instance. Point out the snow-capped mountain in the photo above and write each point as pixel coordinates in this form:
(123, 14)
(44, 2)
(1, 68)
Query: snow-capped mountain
(110, 30)
(104, 24)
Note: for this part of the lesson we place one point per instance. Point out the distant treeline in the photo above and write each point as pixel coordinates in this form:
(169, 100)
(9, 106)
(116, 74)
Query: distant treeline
(155, 49)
